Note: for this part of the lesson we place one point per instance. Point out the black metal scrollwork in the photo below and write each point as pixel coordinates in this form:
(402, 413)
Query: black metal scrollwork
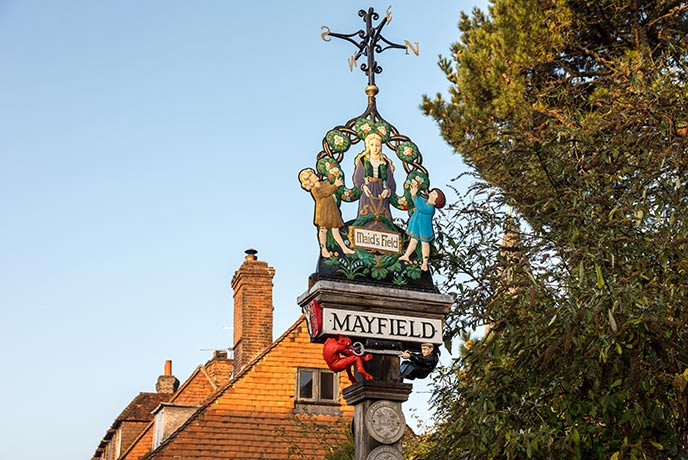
(369, 43)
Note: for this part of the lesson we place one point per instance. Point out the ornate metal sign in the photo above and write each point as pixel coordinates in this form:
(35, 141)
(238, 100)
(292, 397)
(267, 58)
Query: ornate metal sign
(372, 293)
(381, 326)
(375, 240)
(385, 171)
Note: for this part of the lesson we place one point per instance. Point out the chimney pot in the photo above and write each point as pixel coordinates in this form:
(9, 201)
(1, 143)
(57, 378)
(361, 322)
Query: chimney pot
(251, 254)
(167, 383)
(220, 354)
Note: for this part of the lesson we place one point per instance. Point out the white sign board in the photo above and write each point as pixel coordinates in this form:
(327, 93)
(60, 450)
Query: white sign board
(381, 326)
(375, 239)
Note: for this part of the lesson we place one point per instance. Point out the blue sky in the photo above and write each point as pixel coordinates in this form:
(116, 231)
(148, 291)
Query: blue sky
(145, 145)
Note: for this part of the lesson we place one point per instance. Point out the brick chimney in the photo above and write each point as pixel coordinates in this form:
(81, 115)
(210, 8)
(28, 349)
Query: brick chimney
(167, 383)
(219, 368)
(252, 285)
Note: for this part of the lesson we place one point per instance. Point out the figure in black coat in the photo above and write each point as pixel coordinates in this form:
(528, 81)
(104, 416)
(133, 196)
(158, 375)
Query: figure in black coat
(419, 365)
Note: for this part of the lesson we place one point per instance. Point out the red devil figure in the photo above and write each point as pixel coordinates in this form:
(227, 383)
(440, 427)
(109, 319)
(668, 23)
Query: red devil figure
(342, 345)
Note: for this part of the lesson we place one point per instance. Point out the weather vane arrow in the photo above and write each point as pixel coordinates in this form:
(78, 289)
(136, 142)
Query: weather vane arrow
(369, 41)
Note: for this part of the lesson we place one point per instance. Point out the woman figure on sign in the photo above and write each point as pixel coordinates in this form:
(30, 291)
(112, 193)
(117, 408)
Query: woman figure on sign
(420, 224)
(327, 213)
(374, 176)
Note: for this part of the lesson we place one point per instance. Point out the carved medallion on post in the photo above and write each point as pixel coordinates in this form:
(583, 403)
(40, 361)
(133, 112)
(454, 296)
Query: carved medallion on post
(385, 422)
(385, 453)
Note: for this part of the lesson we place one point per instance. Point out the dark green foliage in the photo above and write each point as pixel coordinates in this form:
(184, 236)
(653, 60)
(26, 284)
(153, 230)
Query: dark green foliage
(333, 438)
(571, 112)
(344, 451)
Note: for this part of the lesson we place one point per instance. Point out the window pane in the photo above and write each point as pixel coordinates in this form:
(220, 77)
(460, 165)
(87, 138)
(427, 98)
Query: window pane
(306, 384)
(327, 385)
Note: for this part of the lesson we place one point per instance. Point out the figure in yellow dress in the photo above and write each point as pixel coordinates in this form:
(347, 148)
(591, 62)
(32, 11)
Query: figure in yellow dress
(327, 214)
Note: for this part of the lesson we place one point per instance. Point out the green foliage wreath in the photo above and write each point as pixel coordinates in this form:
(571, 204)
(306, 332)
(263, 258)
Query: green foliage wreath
(337, 140)
(329, 167)
(364, 127)
(407, 151)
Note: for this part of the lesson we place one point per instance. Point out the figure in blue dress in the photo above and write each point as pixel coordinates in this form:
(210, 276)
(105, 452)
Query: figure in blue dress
(420, 223)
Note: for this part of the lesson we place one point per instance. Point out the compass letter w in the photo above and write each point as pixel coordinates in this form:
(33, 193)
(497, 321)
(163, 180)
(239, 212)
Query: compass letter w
(352, 62)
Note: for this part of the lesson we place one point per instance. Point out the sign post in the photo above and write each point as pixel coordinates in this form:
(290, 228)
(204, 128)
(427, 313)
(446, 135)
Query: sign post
(385, 321)
(372, 300)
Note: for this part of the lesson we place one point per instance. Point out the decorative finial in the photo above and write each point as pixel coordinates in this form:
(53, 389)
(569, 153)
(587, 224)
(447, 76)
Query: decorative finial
(372, 90)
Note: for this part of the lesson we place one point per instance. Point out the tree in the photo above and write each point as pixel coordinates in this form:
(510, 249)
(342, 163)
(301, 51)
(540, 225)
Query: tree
(573, 113)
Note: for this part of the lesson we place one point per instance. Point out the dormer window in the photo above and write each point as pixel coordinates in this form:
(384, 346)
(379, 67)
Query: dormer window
(316, 386)
(169, 417)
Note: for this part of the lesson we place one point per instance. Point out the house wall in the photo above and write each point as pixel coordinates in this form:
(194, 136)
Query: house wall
(141, 446)
(195, 392)
(128, 432)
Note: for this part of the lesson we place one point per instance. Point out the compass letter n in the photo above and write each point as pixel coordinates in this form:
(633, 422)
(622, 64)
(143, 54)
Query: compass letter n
(410, 46)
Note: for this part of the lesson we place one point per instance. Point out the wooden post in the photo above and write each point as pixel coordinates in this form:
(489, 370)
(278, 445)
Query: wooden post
(379, 423)
(362, 312)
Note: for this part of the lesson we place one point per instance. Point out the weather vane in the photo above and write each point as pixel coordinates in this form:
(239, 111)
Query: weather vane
(378, 249)
(369, 42)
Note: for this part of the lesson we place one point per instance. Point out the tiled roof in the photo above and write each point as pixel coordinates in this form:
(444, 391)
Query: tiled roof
(195, 390)
(254, 435)
(138, 410)
(252, 416)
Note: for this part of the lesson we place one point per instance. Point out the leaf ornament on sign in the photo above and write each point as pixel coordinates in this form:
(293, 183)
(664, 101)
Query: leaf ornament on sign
(337, 140)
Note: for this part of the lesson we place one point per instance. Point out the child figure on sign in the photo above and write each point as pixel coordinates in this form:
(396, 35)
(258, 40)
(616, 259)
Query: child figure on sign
(420, 223)
(327, 213)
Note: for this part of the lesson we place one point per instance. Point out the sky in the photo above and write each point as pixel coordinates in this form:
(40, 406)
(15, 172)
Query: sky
(144, 145)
